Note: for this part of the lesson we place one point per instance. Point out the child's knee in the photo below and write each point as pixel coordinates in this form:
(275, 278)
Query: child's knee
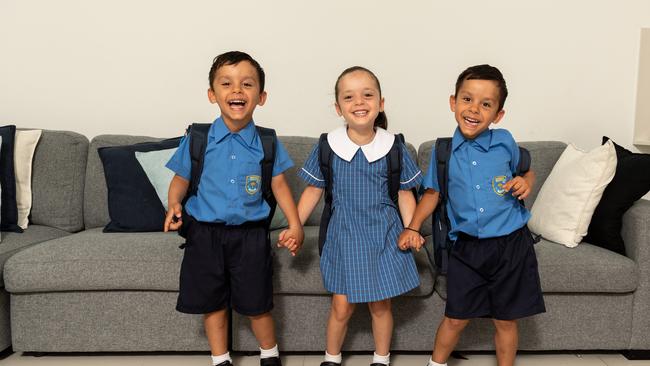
(505, 325)
(342, 312)
(380, 308)
(456, 324)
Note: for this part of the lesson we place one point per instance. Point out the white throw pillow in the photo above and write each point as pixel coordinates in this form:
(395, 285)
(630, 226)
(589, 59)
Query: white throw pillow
(24, 147)
(567, 200)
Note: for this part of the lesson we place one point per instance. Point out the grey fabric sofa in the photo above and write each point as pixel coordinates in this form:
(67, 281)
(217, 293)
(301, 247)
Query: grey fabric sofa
(100, 292)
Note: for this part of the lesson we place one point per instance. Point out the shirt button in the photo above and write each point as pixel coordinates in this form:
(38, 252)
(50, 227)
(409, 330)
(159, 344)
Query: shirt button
(481, 209)
(232, 156)
(233, 182)
(478, 187)
(473, 163)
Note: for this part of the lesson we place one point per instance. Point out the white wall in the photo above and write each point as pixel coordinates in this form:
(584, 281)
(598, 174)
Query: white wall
(140, 67)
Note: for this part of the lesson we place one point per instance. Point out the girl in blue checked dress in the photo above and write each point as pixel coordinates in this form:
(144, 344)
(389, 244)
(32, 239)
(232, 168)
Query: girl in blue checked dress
(361, 262)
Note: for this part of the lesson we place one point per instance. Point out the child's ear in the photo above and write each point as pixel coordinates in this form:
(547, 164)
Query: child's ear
(381, 105)
(211, 97)
(262, 99)
(452, 103)
(499, 116)
(338, 109)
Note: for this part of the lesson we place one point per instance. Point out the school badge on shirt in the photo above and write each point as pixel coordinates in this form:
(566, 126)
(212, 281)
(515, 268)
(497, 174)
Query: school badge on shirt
(497, 184)
(253, 184)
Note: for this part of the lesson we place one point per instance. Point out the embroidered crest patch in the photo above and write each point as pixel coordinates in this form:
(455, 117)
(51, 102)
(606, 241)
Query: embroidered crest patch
(497, 184)
(253, 184)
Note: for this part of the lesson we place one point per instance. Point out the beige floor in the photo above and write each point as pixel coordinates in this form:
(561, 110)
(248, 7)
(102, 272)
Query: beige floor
(299, 360)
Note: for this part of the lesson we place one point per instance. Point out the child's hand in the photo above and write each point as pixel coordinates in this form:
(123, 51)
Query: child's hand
(291, 239)
(410, 239)
(519, 187)
(174, 218)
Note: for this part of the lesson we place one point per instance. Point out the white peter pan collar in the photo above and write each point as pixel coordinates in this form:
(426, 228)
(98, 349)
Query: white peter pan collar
(345, 148)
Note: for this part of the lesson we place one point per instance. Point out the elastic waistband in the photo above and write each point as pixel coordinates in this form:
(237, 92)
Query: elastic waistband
(466, 237)
(245, 225)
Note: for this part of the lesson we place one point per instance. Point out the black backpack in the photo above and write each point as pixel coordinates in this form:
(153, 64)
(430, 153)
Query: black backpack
(394, 166)
(440, 221)
(198, 134)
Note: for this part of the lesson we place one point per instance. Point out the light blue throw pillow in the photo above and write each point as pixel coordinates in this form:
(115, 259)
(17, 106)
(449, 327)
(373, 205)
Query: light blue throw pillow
(153, 163)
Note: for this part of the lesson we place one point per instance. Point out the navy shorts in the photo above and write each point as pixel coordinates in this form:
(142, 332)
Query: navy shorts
(226, 266)
(494, 278)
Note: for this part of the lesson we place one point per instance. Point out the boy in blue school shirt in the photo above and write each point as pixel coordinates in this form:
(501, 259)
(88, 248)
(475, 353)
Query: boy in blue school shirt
(492, 269)
(227, 260)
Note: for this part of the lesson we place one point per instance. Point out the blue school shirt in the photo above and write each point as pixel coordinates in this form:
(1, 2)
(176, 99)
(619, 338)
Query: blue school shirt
(478, 169)
(230, 190)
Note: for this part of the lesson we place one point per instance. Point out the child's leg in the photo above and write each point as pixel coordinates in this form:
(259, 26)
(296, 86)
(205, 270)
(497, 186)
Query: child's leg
(264, 330)
(506, 339)
(382, 326)
(216, 329)
(446, 338)
(337, 324)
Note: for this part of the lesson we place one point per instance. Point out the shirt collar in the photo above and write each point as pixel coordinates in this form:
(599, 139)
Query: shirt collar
(345, 148)
(219, 131)
(483, 140)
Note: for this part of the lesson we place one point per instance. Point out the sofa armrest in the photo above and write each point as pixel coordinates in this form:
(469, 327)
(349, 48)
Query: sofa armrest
(636, 235)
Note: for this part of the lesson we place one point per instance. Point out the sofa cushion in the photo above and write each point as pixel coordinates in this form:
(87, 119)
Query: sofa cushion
(24, 148)
(95, 211)
(93, 260)
(9, 210)
(301, 274)
(133, 203)
(631, 182)
(585, 268)
(571, 192)
(58, 175)
(13, 242)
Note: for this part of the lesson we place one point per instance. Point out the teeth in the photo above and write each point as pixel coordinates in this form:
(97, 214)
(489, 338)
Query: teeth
(360, 113)
(471, 120)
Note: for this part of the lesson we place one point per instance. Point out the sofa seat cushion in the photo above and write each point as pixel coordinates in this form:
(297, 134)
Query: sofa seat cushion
(92, 260)
(14, 242)
(585, 268)
(301, 274)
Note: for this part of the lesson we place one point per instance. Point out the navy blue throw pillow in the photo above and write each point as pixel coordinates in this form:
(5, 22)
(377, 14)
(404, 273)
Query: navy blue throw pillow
(133, 204)
(9, 210)
(631, 182)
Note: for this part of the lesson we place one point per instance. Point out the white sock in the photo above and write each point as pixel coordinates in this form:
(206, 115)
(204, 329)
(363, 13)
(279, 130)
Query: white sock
(333, 358)
(221, 358)
(433, 363)
(268, 353)
(381, 359)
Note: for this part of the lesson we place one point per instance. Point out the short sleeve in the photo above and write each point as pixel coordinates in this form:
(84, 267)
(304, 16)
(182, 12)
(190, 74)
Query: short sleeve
(411, 175)
(181, 162)
(311, 173)
(431, 178)
(282, 160)
(514, 161)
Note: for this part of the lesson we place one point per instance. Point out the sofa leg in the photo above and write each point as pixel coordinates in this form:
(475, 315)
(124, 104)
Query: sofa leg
(6, 353)
(636, 354)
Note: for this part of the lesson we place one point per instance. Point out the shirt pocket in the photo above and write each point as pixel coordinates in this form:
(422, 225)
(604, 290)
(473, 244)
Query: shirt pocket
(496, 176)
(250, 182)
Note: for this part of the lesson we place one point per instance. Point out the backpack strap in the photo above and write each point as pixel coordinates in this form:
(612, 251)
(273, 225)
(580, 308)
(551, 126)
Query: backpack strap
(441, 224)
(394, 164)
(268, 138)
(325, 162)
(524, 161)
(198, 134)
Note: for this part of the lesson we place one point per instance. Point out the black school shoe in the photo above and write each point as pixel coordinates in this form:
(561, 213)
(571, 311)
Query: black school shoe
(225, 363)
(270, 361)
(329, 363)
(379, 364)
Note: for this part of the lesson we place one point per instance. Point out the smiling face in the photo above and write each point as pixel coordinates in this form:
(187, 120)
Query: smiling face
(236, 89)
(359, 100)
(476, 106)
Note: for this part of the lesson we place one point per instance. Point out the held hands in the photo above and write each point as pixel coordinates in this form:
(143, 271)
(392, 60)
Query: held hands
(291, 238)
(174, 217)
(519, 187)
(410, 239)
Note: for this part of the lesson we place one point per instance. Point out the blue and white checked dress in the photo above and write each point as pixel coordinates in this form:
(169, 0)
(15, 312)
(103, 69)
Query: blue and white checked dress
(360, 258)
